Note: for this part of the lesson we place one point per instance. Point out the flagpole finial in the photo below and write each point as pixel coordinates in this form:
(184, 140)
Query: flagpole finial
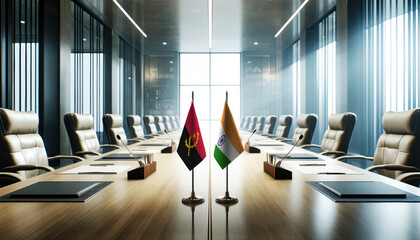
(226, 96)
(192, 96)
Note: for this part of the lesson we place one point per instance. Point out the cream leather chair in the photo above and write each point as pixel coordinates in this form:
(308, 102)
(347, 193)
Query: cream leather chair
(113, 126)
(337, 138)
(177, 122)
(22, 148)
(398, 148)
(270, 123)
(160, 126)
(247, 122)
(260, 124)
(242, 122)
(306, 124)
(149, 125)
(135, 128)
(173, 122)
(252, 123)
(285, 123)
(167, 123)
(82, 136)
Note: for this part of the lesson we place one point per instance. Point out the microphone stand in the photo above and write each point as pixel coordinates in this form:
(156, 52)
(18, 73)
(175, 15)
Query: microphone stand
(142, 164)
(248, 146)
(277, 164)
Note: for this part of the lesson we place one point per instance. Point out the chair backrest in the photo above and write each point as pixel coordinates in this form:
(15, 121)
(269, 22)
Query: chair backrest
(285, 123)
(81, 134)
(113, 126)
(306, 124)
(167, 123)
(247, 122)
(134, 126)
(149, 124)
(173, 122)
(242, 122)
(159, 123)
(400, 143)
(253, 123)
(270, 123)
(20, 142)
(177, 122)
(338, 135)
(260, 123)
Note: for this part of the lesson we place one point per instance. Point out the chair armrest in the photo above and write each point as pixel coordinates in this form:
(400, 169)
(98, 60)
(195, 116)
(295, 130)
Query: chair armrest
(110, 146)
(17, 168)
(310, 145)
(336, 153)
(343, 158)
(59, 157)
(394, 167)
(407, 177)
(10, 177)
(83, 153)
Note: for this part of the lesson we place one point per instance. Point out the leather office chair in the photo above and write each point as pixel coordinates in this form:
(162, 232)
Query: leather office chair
(22, 151)
(252, 123)
(398, 148)
(306, 124)
(285, 123)
(135, 128)
(160, 126)
(173, 122)
(113, 126)
(82, 136)
(149, 125)
(242, 122)
(337, 138)
(260, 124)
(177, 122)
(270, 123)
(167, 123)
(247, 122)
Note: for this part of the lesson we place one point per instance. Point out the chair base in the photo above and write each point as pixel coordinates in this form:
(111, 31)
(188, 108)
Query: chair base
(277, 172)
(142, 172)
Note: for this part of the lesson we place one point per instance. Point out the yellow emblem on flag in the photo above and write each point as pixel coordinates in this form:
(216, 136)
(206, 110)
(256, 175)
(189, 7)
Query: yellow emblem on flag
(188, 144)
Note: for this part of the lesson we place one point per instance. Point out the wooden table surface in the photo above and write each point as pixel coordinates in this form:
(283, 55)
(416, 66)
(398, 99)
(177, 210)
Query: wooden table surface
(152, 208)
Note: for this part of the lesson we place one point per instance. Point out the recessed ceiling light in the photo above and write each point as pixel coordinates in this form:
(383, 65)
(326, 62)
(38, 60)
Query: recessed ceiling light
(22, 22)
(84, 39)
(165, 43)
(129, 18)
(255, 43)
(291, 18)
(171, 62)
(249, 62)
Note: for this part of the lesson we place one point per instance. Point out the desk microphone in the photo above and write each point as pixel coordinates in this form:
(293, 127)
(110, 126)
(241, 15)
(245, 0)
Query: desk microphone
(287, 155)
(134, 156)
(166, 131)
(251, 135)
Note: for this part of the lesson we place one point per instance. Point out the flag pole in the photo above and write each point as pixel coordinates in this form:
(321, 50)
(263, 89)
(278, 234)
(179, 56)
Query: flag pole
(193, 199)
(227, 199)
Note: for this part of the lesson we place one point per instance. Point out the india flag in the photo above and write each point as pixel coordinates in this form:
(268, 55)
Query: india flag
(229, 145)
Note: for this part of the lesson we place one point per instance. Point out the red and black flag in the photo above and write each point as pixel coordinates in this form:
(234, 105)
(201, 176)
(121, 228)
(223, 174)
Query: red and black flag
(191, 147)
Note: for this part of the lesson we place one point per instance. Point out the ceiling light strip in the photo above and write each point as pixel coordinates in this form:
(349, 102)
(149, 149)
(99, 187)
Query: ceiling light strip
(210, 22)
(291, 18)
(129, 18)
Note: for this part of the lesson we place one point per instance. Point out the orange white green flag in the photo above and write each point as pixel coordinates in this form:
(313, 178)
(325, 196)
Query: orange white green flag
(229, 145)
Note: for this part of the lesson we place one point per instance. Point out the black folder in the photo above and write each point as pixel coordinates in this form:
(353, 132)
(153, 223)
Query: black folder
(367, 189)
(54, 190)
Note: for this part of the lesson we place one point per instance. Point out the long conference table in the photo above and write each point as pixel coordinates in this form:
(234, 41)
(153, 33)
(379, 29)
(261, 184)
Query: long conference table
(151, 208)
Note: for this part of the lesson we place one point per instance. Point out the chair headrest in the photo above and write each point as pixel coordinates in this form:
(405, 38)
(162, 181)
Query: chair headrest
(82, 121)
(135, 119)
(159, 119)
(285, 120)
(271, 119)
(148, 119)
(114, 120)
(167, 118)
(15, 122)
(305, 120)
(339, 121)
(260, 119)
(405, 122)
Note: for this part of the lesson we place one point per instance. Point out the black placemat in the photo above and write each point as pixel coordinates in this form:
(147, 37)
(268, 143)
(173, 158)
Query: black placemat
(333, 196)
(52, 191)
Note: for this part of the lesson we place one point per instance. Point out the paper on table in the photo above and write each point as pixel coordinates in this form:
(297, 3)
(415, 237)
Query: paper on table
(328, 169)
(106, 169)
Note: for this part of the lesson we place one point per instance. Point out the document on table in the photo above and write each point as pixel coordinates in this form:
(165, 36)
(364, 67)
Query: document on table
(327, 170)
(103, 169)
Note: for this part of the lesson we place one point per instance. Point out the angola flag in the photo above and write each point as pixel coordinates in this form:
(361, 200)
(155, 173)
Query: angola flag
(229, 145)
(191, 147)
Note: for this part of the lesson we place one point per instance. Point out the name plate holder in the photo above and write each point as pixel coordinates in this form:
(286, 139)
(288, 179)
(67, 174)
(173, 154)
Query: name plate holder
(145, 171)
(169, 149)
(278, 173)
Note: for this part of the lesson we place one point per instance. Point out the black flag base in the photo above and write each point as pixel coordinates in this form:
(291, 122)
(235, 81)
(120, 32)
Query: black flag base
(193, 200)
(226, 200)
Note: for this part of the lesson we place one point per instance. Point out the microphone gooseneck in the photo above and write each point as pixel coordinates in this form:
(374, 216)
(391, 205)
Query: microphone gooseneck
(166, 131)
(142, 164)
(251, 135)
(285, 156)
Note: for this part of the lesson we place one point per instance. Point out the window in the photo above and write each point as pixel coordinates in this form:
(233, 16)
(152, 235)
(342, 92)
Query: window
(392, 60)
(291, 83)
(87, 66)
